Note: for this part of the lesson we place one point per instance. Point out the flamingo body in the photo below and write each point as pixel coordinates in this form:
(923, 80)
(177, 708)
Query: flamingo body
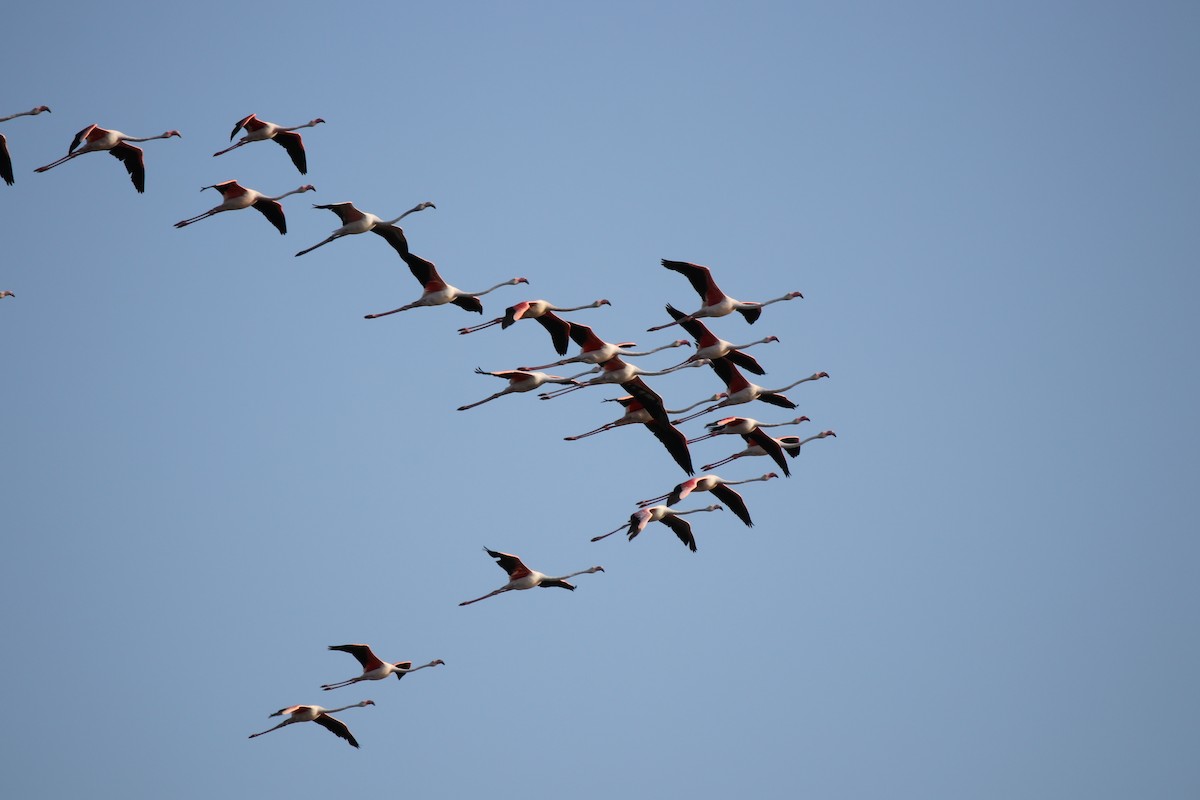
(258, 130)
(237, 197)
(94, 139)
(522, 577)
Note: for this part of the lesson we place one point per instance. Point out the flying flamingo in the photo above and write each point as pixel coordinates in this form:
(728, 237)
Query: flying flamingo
(238, 197)
(522, 577)
(96, 139)
(617, 371)
(7, 293)
(373, 668)
(518, 381)
(720, 489)
(759, 440)
(558, 328)
(6, 169)
(712, 347)
(646, 407)
(716, 302)
(320, 716)
(595, 350)
(639, 519)
(355, 221)
(259, 131)
(437, 291)
(757, 447)
(739, 390)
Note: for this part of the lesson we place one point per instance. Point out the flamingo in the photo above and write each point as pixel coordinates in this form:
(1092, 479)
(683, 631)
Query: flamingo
(757, 447)
(739, 390)
(437, 291)
(96, 139)
(712, 347)
(355, 221)
(645, 406)
(238, 197)
(6, 293)
(373, 668)
(595, 350)
(716, 302)
(6, 169)
(759, 440)
(259, 131)
(617, 371)
(320, 716)
(522, 577)
(720, 489)
(518, 381)
(558, 328)
(638, 521)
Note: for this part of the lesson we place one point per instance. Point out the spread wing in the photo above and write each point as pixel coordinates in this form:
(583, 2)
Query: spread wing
(675, 442)
(273, 212)
(698, 330)
(243, 122)
(131, 157)
(559, 330)
(770, 446)
(510, 564)
(337, 728)
(424, 271)
(698, 276)
(734, 501)
(294, 145)
(361, 652)
(5, 161)
(79, 137)
(682, 529)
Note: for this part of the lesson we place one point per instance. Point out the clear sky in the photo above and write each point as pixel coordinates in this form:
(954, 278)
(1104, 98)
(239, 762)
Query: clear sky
(213, 467)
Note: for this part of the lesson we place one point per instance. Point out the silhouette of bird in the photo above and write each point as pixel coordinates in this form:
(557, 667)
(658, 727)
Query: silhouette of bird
(355, 221)
(522, 577)
(558, 328)
(238, 197)
(260, 131)
(373, 668)
(518, 381)
(6, 167)
(719, 488)
(712, 347)
(320, 716)
(95, 139)
(639, 519)
(716, 302)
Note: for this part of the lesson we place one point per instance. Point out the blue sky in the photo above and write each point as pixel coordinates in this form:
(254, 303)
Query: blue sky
(213, 467)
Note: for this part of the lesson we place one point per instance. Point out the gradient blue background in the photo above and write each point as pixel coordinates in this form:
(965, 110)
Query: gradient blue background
(212, 467)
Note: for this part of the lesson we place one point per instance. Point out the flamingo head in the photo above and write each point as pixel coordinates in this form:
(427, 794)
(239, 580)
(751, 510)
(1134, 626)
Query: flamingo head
(599, 303)
(828, 433)
(366, 703)
(169, 134)
(596, 569)
(515, 281)
(820, 375)
(40, 109)
(317, 121)
(680, 343)
(771, 339)
(800, 419)
(308, 187)
(769, 475)
(715, 508)
(794, 295)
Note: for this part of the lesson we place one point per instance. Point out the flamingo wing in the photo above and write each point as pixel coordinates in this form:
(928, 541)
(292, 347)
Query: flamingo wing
(294, 145)
(510, 564)
(337, 728)
(362, 653)
(698, 276)
(751, 314)
(131, 157)
(583, 336)
(770, 445)
(697, 329)
(776, 399)
(745, 361)
(79, 137)
(244, 122)
(346, 212)
(650, 399)
(228, 189)
(393, 236)
(727, 372)
(273, 212)
(468, 303)
(401, 665)
(734, 501)
(682, 529)
(559, 330)
(675, 442)
(424, 271)
(5, 161)
(557, 584)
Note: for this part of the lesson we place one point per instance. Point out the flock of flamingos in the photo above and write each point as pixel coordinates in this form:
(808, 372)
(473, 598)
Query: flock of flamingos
(642, 405)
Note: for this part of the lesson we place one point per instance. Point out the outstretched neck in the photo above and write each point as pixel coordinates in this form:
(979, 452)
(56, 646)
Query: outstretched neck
(164, 135)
